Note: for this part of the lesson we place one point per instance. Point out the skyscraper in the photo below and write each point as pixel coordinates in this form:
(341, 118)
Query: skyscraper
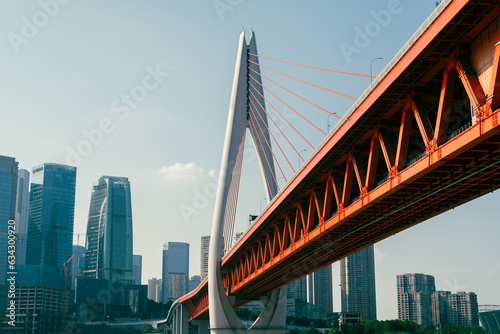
(137, 269)
(108, 250)
(459, 309)
(154, 289)
(414, 297)
(205, 243)
(22, 214)
(298, 289)
(440, 309)
(357, 281)
(8, 190)
(321, 289)
(51, 216)
(175, 271)
(464, 309)
(194, 282)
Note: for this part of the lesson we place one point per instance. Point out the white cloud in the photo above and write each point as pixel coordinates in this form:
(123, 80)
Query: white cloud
(454, 286)
(182, 172)
(212, 173)
(379, 255)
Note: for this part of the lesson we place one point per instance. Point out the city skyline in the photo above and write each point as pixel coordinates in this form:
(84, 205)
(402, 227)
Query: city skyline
(72, 88)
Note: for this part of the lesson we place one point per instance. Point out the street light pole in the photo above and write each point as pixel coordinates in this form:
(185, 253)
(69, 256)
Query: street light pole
(371, 77)
(298, 157)
(328, 122)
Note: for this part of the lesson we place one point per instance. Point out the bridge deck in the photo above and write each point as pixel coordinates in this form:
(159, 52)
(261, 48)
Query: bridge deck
(407, 151)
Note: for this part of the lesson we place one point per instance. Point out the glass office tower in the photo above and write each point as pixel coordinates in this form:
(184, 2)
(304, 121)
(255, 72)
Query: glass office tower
(8, 190)
(321, 289)
(175, 271)
(51, 216)
(108, 249)
(22, 214)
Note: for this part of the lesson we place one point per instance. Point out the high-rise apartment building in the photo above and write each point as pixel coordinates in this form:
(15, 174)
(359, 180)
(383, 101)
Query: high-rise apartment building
(440, 309)
(154, 289)
(109, 249)
(137, 269)
(357, 281)
(414, 297)
(321, 289)
(205, 243)
(175, 271)
(51, 215)
(459, 309)
(8, 193)
(22, 214)
(464, 310)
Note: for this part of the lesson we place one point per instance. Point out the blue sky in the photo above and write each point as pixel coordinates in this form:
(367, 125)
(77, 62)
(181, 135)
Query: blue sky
(141, 89)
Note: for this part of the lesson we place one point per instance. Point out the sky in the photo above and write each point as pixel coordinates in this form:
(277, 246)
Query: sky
(141, 89)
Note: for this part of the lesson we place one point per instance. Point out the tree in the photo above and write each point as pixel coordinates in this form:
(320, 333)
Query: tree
(147, 328)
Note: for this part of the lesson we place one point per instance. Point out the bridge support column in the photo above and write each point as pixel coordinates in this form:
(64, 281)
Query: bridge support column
(202, 326)
(223, 319)
(180, 320)
(272, 320)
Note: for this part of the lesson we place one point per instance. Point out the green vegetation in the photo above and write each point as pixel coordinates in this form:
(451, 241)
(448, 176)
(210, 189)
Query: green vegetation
(156, 310)
(147, 328)
(393, 327)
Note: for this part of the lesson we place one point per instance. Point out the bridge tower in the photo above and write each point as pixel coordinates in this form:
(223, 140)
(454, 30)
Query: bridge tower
(223, 319)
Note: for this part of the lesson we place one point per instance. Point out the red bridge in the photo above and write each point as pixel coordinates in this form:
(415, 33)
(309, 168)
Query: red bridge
(423, 139)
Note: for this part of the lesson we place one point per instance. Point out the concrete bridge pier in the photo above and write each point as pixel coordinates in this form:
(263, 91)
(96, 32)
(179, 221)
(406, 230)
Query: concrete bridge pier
(180, 320)
(203, 326)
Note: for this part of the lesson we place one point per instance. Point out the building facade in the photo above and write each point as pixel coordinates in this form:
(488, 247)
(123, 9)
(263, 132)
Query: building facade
(137, 269)
(109, 248)
(357, 284)
(39, 300)
(194, 282)
(298, 289)
(154, 289)
(22, 214)
(321, 289)
(175, 271)
(463, 309)
(8, 193)
(205, 243)
(459, 309)
(51, 215)
(440, 309)
(414, 297)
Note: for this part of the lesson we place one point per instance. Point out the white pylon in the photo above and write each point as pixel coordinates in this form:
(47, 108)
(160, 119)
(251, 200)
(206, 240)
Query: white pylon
(223, 319)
